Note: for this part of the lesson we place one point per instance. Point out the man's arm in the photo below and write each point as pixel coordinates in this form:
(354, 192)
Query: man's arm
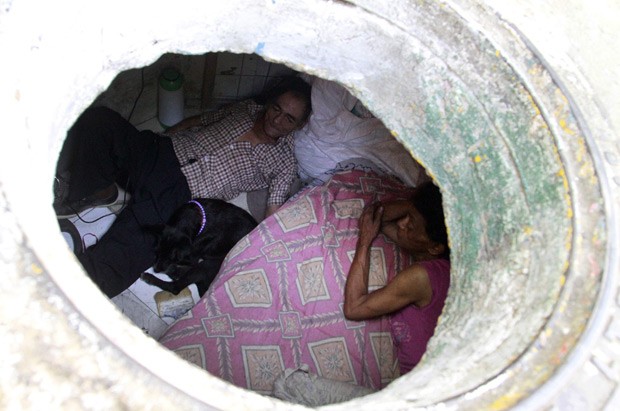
(203, 119)
(184, 124)
(281, 179)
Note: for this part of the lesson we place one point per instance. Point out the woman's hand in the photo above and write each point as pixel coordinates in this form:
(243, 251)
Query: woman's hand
(370, 224)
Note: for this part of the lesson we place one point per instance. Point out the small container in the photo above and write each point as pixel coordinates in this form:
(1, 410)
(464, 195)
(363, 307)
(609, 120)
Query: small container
(171, 101)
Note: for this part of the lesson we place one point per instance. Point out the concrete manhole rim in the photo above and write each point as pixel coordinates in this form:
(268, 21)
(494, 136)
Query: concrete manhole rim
(122, 348)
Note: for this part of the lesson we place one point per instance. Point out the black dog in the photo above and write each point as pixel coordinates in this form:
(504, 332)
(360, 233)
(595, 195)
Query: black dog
(193, 244)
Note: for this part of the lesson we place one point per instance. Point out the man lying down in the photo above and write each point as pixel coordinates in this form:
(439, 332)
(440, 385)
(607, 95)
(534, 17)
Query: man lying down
(240, 148)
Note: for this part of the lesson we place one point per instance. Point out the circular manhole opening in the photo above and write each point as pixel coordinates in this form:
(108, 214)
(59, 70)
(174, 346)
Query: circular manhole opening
(491, 128)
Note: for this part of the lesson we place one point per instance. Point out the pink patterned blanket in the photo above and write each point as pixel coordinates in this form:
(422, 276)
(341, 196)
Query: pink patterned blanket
(277, 301)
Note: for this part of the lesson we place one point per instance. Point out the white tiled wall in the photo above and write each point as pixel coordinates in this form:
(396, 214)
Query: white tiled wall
(236, 77)
(239, 76)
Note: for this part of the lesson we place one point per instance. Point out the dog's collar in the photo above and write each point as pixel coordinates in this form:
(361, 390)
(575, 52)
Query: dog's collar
(204, 216)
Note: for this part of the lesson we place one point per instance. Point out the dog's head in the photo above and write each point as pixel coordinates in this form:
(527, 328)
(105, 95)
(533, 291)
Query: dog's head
(173, 249)
(174, 246)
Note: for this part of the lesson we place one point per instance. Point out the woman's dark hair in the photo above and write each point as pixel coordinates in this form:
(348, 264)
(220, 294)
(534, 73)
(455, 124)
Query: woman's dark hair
(427, 200)
(299, 87)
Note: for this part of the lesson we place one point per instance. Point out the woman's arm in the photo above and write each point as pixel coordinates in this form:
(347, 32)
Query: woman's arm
(410, 286)
(356, 287)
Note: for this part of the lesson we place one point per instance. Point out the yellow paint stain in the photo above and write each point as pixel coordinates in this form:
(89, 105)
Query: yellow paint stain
(596, 238)
(562, 308)
(586, 170)
(568, 243)
(505, 401)
(535, 70)
(562, 175)
(394, 133)
(567, 129)
(581, 150)
(561, 114)
(534, 105)
(497, 53)
(36, 269)
(569, 209)
(562, 280)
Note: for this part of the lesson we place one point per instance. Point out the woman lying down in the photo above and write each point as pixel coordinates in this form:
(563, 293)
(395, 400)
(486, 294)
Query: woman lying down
(342, 287)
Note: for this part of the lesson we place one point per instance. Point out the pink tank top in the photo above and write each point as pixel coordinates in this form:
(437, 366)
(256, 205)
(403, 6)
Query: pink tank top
(412, 327)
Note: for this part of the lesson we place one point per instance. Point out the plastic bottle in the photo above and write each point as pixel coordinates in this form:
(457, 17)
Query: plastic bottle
(171, 101)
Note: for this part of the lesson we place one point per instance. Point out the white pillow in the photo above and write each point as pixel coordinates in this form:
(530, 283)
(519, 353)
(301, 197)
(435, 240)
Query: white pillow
(335, 134)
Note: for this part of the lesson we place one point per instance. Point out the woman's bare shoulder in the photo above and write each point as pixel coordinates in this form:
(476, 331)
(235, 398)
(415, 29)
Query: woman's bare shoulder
(416, 278)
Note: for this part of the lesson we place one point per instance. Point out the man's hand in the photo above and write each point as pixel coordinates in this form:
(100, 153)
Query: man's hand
(184, 124)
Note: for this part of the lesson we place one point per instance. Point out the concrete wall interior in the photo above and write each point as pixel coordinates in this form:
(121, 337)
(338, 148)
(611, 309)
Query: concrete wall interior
(503, 104)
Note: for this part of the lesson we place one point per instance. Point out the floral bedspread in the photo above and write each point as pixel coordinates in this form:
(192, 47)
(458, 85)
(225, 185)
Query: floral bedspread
(277, 301)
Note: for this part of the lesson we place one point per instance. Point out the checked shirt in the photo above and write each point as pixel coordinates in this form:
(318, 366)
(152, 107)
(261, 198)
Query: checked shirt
(216, 165)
